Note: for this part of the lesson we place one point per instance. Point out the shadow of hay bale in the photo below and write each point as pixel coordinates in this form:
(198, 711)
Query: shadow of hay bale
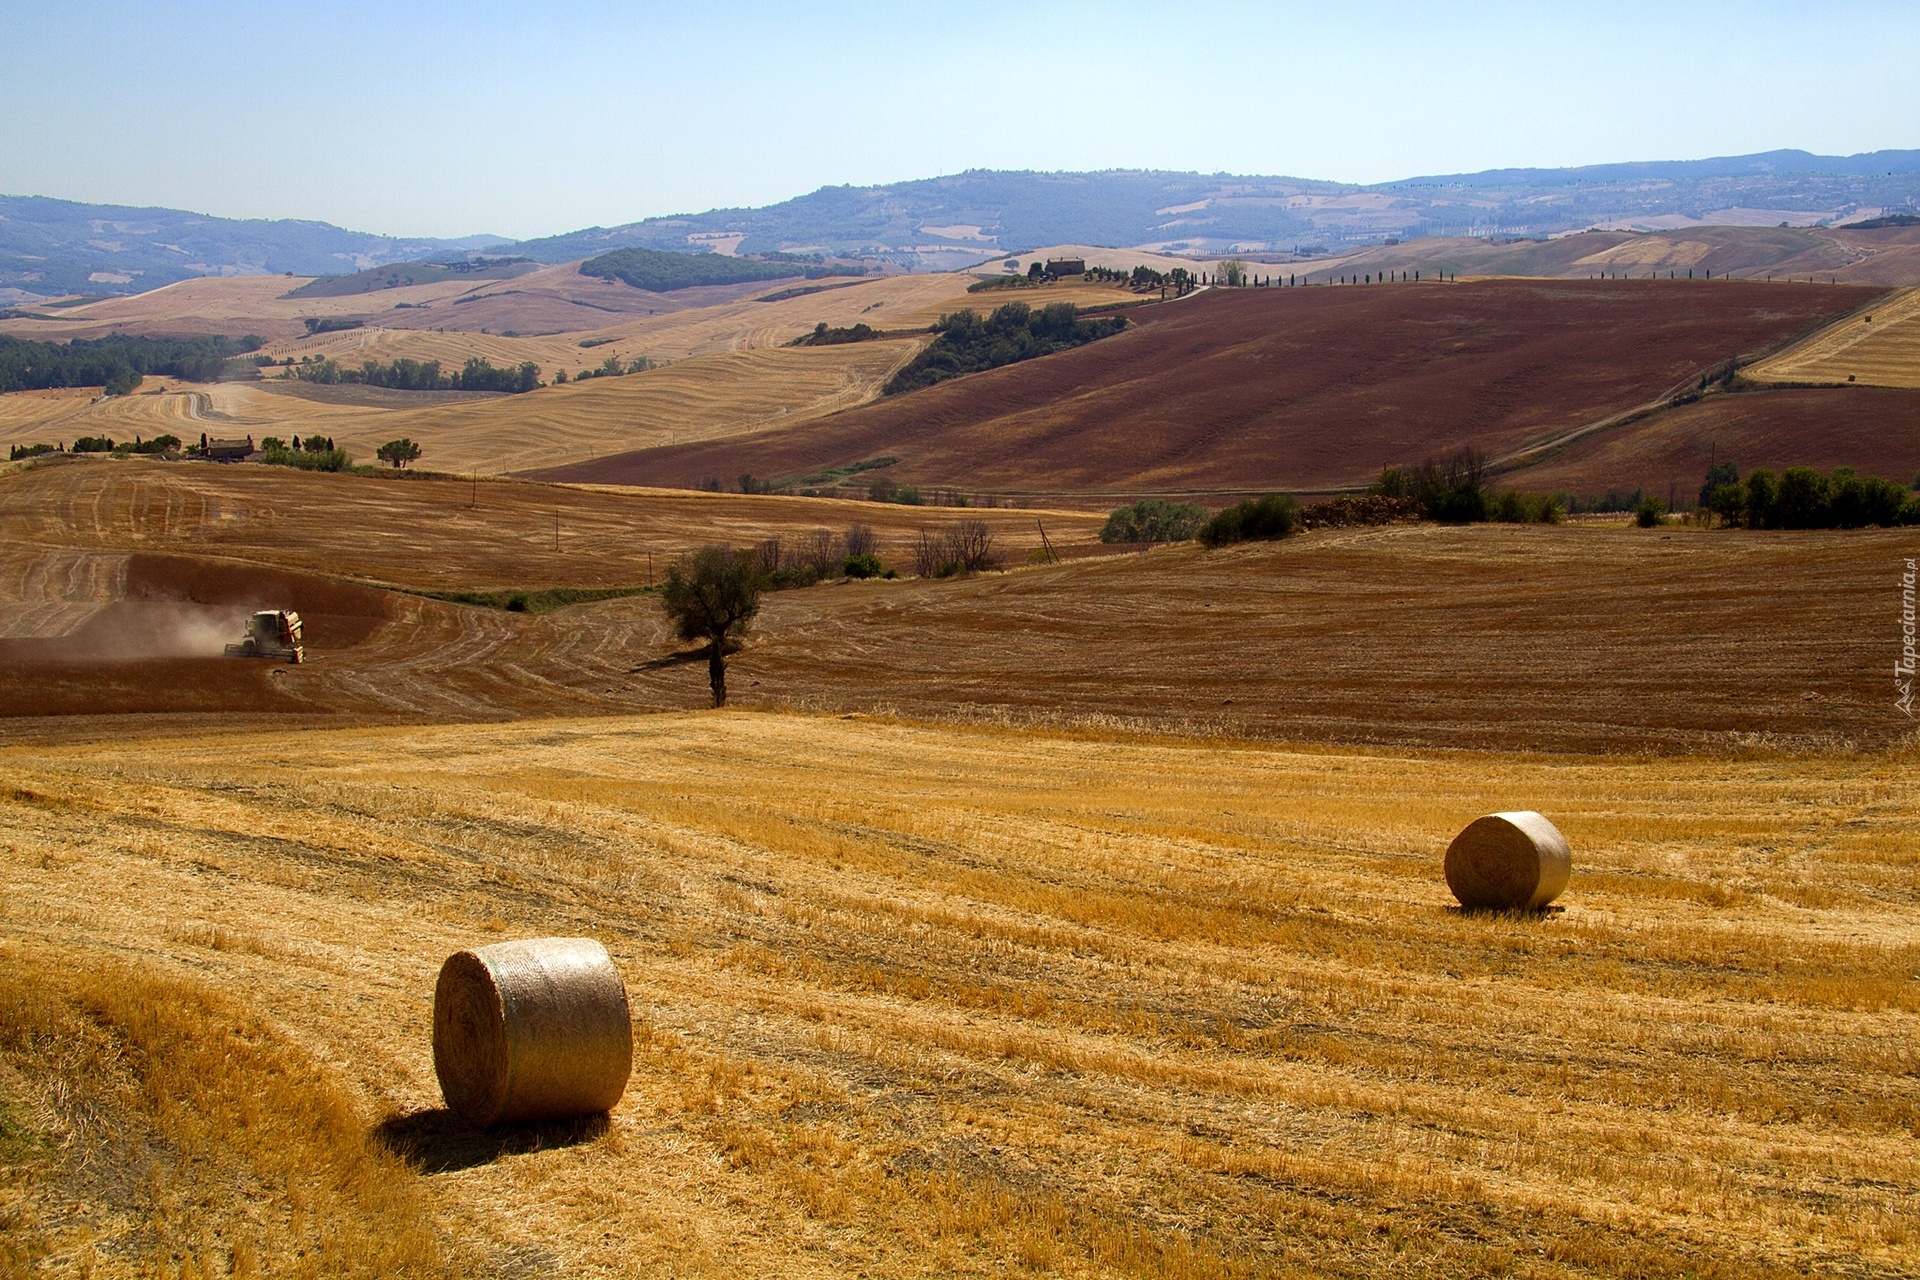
(1525, 914)
(438, 1141)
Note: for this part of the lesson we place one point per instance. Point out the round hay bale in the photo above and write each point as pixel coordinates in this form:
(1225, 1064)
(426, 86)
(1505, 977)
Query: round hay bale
(1509, 861)
(531, 1030)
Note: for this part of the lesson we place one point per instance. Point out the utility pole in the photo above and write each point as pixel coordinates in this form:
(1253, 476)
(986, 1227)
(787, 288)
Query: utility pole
(1053, 557)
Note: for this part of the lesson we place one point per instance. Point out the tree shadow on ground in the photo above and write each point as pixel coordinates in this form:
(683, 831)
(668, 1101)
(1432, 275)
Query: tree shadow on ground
(671, 660)
(438, 1141)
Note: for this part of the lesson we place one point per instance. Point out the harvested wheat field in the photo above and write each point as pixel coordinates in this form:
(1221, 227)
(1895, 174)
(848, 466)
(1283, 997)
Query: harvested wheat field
(932, 1001)
(437, 532)
(1568, 638)
(705, 398)
(1878, 347)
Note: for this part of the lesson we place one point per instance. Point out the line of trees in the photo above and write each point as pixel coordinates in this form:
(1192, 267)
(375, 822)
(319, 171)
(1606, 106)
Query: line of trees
(611, 367)
(477, 374)
(1803, 498)
(660, 272)
(822, 336)
(117, 364)
(1013, 332)
(316, 453)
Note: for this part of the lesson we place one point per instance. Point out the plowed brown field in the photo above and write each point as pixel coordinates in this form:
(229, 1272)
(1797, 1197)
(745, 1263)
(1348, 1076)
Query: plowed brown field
(1232, 391)
(1874, 430)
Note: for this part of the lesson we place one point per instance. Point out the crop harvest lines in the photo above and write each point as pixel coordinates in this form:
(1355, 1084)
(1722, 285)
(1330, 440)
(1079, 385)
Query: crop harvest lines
(992, 1001)
(428, 533)
(1407, 635)
(1880, 347)
(705, 398)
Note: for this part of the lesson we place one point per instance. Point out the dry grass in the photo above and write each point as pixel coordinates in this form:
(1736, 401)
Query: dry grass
(1880, 348)
(704, 398)
(155, 1126)
(916, 1000)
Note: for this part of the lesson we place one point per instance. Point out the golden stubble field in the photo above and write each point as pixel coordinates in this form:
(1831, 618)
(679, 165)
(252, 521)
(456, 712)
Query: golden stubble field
(705, 398)
(1880, 347)
(914, 1000)
(724, 371)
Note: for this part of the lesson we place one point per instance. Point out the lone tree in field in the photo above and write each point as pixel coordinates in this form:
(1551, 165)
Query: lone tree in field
(399, 452)
(711, 596)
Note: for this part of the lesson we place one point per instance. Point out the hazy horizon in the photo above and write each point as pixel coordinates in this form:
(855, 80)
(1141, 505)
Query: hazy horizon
(434, 120)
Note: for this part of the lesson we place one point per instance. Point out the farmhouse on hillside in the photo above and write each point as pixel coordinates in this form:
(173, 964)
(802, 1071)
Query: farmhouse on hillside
(227, 450)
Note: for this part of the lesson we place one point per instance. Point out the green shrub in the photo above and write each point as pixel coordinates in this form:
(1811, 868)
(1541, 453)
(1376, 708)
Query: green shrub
(1263, 519)
(864, 565)
(1649, 513)
(1452, 491)
(275, 454)
(1155, 520)
(1515, 507)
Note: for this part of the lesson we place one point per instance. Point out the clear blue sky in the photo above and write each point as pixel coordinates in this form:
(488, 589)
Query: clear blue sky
(526, 119)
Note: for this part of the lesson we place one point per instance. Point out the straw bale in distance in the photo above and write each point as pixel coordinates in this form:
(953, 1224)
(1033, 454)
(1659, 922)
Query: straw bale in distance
(535, 1029)
(1509, 861)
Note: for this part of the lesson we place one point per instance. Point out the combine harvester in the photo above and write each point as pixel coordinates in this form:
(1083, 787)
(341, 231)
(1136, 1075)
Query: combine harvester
(271, 633)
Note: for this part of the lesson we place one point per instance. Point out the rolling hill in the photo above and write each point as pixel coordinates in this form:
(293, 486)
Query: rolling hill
(53, 247)
(966, 217)
(725, 367)
(1888, 255)
(1236, 390)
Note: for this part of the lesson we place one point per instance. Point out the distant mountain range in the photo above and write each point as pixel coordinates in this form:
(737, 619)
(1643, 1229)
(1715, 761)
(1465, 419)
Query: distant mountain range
(55, 247)
(50, 247)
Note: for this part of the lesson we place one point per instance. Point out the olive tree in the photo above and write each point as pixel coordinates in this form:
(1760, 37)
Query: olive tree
(712, 595)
